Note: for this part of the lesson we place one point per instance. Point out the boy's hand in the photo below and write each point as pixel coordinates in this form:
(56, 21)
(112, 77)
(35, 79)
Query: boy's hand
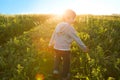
(50, 46)
(86, 50)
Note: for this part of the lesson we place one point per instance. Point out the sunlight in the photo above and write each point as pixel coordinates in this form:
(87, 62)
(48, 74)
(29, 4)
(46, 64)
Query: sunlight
(91, 7)
(39, 77)
(57, 7)
(58, 11)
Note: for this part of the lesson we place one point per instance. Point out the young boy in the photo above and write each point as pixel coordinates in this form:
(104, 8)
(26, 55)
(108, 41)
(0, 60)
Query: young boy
(61, 39)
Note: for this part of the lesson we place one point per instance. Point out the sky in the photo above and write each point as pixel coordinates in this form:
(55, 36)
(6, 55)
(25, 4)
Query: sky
(59, 6)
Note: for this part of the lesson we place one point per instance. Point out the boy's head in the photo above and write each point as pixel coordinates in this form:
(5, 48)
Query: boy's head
(69, 16)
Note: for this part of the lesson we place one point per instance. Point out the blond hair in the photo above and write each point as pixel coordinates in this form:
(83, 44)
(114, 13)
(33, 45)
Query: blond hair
(69, 13)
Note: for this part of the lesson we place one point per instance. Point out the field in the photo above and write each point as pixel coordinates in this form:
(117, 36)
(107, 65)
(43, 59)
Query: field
(24, 52)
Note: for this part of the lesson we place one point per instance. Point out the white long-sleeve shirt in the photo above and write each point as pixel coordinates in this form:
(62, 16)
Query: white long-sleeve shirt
(63, 36)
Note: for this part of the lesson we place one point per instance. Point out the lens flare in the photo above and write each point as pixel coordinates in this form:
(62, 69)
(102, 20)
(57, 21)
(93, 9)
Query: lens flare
(39, 77)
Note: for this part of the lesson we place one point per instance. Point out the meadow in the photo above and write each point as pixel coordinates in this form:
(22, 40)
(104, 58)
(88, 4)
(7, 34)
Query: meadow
(24, 52)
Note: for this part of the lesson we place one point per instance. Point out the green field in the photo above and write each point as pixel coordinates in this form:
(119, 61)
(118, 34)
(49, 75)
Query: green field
(24, 52)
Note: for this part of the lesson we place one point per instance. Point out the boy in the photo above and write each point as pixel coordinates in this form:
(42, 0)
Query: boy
(61, 39)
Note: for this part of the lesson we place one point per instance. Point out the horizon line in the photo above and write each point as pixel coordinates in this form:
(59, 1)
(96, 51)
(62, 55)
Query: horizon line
(54, 14)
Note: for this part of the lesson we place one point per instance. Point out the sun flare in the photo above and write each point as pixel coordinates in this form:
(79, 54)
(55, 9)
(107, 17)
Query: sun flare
(39, 77)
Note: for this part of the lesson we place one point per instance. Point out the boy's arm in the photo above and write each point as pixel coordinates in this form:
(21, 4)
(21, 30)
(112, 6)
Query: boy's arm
(51, 43)
(72, 33)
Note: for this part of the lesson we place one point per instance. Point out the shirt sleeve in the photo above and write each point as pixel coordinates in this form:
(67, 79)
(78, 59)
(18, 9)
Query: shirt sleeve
(73, 34)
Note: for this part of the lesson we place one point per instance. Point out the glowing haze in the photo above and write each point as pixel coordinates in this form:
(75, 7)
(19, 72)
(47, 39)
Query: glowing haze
(58, 6)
